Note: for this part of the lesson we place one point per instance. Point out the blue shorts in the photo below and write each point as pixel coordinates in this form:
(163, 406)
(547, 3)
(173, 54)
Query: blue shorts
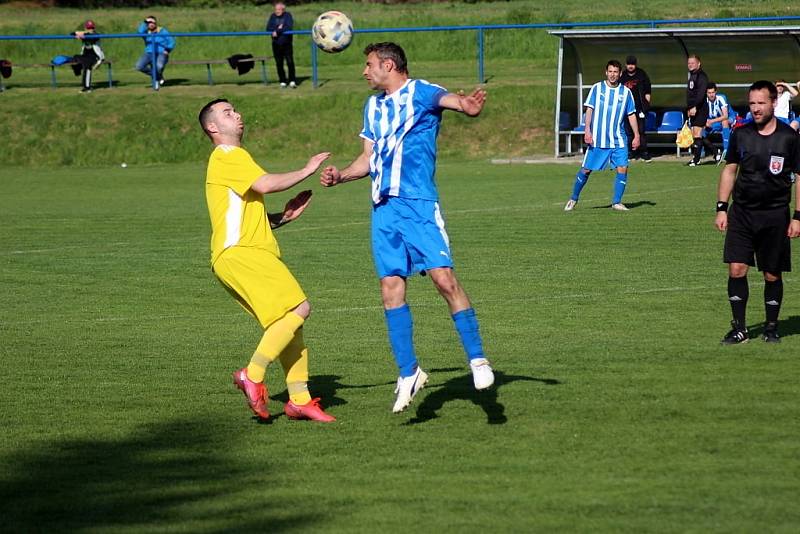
(716, 127)
(598, 159)
(784, 120)
(408, 236)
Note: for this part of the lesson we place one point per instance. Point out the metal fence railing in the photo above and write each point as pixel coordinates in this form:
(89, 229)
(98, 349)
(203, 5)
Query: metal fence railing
(479, 30)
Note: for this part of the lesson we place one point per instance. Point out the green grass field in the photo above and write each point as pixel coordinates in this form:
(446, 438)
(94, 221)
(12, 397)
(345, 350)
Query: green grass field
(615, 408)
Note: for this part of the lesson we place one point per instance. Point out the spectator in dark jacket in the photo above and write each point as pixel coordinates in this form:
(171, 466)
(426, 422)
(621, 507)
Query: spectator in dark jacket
(638, 82)
(91, 55)
(278, 24)
(696, 107)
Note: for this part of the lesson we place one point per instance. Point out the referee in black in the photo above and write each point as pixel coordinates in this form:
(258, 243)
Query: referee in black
(762, 156)
(696, 105)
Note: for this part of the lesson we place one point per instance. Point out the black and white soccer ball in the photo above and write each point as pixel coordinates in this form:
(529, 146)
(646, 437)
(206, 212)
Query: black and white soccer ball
(332, 31)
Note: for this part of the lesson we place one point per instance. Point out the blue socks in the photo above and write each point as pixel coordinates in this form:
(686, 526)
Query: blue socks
(726, 136)
(619, 187)
(467, 327)
(401, 327)
(401, 338)
(580, 181)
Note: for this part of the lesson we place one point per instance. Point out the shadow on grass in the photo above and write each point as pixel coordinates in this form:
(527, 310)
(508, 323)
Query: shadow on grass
(170, 476)
(629, 205)
(462, 388)
(786, 327)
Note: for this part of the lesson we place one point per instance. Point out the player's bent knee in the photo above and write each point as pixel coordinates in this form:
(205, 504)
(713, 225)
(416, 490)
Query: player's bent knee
(445, 281)
(737, 270)
(303, 310)
(772, 277)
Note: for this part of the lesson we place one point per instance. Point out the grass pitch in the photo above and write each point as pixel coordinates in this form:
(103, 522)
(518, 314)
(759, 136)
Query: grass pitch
(615, 408)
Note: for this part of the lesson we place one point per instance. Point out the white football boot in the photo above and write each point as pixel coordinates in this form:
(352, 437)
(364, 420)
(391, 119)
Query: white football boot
(407, 388)
(482, 374)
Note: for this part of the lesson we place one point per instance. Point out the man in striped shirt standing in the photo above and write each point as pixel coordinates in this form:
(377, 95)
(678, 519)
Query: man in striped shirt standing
(401, 124)
(608, 104)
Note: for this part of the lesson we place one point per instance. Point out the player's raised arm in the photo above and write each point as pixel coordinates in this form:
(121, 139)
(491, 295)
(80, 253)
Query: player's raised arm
(359, 168)
(470, 105)
(293, 209)
(274, 183)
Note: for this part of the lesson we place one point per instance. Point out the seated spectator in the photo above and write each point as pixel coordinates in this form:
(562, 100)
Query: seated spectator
(783, 107)
(158, 38)
(91, 55)
(718, 118)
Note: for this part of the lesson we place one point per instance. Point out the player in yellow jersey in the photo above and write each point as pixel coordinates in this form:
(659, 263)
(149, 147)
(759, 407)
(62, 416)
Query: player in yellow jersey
(246, 259)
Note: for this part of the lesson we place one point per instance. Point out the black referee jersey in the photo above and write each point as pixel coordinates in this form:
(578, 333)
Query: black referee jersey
(766, 164)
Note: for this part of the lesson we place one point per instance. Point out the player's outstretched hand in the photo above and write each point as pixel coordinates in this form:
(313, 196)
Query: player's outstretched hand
(296, 206)
(315, 161)
(794, 229)
(472, 104)
(330, 176)
(721, 222)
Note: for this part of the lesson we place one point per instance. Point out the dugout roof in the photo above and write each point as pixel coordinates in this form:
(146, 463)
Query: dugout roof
(733, 57)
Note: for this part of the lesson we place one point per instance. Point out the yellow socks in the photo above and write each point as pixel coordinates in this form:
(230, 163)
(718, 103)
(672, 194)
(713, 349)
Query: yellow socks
(294, 360)
(276, 338)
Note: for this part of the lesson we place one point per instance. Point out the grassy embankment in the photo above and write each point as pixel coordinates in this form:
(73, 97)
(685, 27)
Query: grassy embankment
(43, 126)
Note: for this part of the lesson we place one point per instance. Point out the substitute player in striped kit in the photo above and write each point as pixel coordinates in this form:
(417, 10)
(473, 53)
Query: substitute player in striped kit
(608, 104)
(401, 124)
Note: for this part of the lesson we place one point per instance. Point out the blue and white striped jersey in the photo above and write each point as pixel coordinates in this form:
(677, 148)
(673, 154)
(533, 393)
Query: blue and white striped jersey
(715, 108)
(403, 127)
(610, 105)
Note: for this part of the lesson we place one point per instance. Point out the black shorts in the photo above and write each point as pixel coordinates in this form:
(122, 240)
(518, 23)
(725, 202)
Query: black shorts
(700, 117)
(759, 233)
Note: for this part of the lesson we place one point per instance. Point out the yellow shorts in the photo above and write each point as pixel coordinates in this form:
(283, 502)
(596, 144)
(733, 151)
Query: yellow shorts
(260, 282)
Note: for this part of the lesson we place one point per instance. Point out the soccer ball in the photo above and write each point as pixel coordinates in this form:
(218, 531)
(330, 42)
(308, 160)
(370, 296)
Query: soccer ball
(332, 31)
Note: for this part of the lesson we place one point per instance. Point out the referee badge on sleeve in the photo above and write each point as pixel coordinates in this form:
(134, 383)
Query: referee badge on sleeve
(776, 164)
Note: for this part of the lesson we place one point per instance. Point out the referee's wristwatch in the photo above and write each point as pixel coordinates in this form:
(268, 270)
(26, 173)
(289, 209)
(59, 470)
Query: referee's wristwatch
(722, 206)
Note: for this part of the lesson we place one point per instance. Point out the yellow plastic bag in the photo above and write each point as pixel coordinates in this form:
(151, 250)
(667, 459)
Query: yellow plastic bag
(684, 138)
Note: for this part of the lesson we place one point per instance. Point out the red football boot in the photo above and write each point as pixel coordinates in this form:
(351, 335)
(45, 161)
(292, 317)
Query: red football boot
(312, 411)
(256, 393)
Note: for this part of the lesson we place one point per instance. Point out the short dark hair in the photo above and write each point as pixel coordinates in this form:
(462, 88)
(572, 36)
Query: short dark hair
(711, 85)
(614, 63)
(206, 111)
(389, 51)
(630, 60)
(764, 84)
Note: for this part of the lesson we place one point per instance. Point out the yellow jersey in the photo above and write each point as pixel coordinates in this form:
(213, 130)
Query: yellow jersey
(238, 216)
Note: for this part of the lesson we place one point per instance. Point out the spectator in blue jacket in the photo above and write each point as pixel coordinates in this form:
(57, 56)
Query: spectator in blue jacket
(160, 39)
(278, 24)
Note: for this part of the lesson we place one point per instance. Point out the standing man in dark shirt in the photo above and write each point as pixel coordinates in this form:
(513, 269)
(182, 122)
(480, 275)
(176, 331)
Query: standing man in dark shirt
(696, 108)
(638, 82)
(278, 24)
(765, 153)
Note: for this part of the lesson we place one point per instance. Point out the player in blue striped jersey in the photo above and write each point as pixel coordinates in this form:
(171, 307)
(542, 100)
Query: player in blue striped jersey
(608, 104)
(401, 124)
(718, 118)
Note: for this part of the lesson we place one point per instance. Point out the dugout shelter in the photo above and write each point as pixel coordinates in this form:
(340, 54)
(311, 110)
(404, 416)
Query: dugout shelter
(733, 57)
